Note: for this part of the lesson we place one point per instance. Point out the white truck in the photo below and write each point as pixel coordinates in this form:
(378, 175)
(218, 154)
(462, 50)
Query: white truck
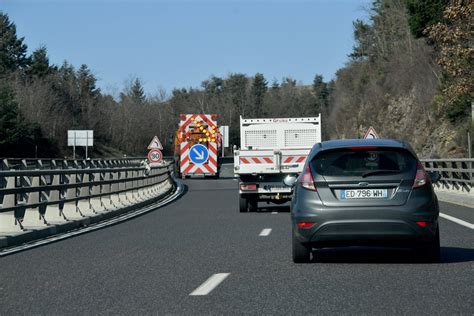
(271, 149)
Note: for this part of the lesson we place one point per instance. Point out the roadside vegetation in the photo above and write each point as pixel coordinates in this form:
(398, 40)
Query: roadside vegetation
(409, 75)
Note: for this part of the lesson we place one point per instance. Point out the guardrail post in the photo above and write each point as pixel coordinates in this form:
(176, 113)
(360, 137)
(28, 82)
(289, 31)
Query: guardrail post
(136, 191)
(9, 224)
(156, 182)
(53, 214)
(115, 197)
(70, 210)
(107, 199)
(33, 218)
(141, 190)
(84, 204)
(122, 188)
(96, 202)
(129, 187)
(146, 189)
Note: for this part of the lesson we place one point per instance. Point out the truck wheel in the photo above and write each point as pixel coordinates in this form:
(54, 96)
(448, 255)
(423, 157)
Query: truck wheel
(253, 204)
(243, 204)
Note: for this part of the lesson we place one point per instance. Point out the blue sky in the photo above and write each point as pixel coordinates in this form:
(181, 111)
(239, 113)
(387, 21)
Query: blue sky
(179, 43)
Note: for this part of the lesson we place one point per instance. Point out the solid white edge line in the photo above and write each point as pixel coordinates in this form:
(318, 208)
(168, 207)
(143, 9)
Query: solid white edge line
(210, 284)
(265, 232)
(457, 220)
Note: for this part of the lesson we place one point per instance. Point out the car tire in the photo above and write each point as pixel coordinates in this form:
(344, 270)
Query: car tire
(434, 249)
(301, 253)
(431, 251)
(243, 204)
(253, 204)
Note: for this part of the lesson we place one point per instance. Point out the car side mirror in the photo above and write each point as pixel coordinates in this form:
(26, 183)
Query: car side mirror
(290, 181)
(434, 176)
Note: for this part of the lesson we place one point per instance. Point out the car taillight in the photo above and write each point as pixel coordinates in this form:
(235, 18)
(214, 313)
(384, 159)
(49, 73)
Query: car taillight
(305, 225)
(306, 179)
(421, 178)
(424, 224)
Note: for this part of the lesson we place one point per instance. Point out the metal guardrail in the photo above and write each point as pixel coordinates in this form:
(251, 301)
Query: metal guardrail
(456, 174)
(37, 193)
(29, 163)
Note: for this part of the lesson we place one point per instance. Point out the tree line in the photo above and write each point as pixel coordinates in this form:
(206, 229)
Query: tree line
(409, 75)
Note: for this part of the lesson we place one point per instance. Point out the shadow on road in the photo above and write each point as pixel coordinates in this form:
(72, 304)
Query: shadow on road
(455, 254)
(274, 208)
(388, 255)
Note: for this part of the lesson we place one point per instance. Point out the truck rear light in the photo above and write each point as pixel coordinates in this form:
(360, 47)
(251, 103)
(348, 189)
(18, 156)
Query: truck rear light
(306, 179)
(305, 225)
(248, 187)
(421, 177)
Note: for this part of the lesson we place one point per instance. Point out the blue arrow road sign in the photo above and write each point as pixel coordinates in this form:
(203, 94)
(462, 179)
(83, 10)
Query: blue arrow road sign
(198, 154)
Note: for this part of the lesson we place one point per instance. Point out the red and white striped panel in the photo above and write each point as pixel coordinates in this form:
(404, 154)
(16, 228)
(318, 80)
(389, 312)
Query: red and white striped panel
(255, 160)
(186, 166)
(293, 159)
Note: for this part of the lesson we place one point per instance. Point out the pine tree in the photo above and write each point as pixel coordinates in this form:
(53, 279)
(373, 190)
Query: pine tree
(17, 137)
(236, 88)
(424, 13)
(39, 66)
(12, 49)
(259, 89)
(137, 94)
(321, 92)
(86, 82)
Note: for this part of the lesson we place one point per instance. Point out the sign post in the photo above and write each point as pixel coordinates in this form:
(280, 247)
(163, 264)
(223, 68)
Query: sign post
(83, 138)
(224, 130)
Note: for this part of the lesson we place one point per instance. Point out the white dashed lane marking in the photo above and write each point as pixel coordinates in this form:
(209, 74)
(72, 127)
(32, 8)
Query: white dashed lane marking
(266, 232)
(210, 284)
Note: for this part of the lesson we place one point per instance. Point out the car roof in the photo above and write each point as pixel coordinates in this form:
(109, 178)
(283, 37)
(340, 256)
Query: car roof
(346, 143)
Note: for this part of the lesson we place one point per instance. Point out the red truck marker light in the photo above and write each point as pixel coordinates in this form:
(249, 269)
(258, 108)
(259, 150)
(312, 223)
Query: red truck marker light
(248, 187)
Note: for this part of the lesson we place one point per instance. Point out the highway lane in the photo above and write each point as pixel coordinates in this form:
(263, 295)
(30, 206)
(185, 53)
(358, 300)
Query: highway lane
(154, 262)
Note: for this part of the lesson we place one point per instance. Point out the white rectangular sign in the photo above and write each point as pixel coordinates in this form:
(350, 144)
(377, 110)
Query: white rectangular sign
(80, 138)
(225, 135)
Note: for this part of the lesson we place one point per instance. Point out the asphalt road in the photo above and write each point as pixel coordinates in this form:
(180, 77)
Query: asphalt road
(151, 264)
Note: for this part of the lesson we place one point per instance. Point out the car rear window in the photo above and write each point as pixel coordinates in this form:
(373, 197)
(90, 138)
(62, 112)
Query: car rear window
(353, 163)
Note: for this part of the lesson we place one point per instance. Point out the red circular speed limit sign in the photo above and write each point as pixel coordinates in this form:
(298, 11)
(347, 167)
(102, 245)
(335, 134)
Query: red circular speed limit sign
(155, 156)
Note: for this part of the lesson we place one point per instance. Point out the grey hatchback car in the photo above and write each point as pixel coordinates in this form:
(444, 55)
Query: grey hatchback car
(364, 192)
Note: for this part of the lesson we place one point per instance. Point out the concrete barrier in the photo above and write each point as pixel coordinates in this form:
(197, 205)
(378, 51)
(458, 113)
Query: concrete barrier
(73, 195)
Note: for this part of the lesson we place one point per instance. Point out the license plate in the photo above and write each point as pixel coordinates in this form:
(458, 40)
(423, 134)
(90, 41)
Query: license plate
(364, 194)
(276, 188)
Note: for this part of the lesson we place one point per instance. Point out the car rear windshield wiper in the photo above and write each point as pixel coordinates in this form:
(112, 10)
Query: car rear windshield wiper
(369, 173)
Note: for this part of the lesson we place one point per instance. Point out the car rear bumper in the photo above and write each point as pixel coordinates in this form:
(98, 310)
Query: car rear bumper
(395, 226)
(364, 232)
